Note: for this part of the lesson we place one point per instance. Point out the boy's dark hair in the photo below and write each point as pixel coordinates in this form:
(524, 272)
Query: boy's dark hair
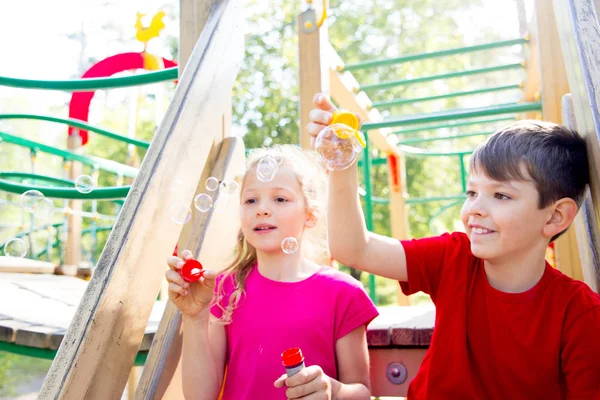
(555, 157)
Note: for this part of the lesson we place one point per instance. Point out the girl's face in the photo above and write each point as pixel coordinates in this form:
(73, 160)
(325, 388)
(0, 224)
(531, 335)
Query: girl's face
(275, 210)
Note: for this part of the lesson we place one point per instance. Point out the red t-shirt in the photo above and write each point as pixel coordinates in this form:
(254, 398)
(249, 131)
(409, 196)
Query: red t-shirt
(540, 344)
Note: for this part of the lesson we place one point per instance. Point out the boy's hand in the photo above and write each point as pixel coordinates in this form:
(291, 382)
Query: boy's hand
(189, 297)
(320, 116)
(310, 383)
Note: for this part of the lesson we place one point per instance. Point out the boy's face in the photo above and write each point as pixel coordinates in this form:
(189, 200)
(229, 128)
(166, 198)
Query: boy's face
(502, 219)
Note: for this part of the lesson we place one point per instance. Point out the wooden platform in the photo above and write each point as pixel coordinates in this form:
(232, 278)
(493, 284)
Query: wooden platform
(25, 265)
(36, 310)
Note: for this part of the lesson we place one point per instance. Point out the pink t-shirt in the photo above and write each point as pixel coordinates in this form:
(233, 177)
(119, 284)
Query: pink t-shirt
(273, 316)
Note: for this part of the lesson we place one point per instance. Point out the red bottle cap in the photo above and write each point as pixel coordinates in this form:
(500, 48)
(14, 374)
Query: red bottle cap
(292, 357)
(191, 271)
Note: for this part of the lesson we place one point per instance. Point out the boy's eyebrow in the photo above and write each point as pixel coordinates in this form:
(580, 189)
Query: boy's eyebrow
(495, 184)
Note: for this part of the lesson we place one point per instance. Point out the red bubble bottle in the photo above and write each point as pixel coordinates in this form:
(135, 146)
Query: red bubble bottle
(292, 360)
(191, 271)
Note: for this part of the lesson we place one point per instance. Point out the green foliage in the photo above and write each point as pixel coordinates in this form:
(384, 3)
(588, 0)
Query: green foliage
(16, 370)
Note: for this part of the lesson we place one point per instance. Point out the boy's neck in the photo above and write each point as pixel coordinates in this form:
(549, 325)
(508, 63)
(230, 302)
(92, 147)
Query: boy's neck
(285, 267)
(518, 273)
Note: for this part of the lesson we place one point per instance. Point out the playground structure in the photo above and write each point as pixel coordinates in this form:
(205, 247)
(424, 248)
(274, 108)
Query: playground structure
(109, 331)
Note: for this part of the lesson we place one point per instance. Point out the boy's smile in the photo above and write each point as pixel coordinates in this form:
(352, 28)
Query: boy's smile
(502, 219)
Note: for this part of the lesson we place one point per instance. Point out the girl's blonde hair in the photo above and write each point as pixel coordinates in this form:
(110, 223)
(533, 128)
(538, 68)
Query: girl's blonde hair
(311, 177)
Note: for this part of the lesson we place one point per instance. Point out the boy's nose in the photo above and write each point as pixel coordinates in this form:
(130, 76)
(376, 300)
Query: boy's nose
(477, 207)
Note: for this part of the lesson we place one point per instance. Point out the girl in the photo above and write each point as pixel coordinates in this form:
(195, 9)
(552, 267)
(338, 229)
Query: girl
(274, 297)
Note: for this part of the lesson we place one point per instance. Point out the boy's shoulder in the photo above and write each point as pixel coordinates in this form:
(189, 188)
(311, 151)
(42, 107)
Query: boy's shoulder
(577, 296)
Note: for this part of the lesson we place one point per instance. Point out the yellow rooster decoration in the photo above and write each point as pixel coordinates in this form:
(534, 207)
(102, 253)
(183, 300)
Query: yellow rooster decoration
(144, 34)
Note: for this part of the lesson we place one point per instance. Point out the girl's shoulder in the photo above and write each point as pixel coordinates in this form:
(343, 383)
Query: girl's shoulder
(333, 276)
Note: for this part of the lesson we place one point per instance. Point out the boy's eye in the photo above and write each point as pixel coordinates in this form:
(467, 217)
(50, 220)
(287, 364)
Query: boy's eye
(470, 193)
(501, 196)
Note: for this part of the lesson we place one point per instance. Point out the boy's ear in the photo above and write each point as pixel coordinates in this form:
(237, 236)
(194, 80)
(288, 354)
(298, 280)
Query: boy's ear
(563, 213)
(312, 217)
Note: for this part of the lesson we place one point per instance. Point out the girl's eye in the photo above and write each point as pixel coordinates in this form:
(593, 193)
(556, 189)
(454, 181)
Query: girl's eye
(501, 196)
(470, 193)
(280, 199)
(249, 201)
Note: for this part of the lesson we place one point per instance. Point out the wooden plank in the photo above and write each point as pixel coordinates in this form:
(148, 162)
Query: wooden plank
(579, 32)
(402, 326)
(108, 327)
(25, 265)
(586, 225)
(313, 75)
(211, 240)
(36, 336)
(74, 219)
(9, 328)
(554, 84)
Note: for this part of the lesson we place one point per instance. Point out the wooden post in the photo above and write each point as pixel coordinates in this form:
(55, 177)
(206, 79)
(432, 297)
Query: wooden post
(161, 378)
(313, 73)
(579, 31)
(554, 84)
(74, 220)
(98, 350)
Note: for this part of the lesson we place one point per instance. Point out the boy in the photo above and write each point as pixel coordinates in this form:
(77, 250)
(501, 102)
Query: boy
(508, 325)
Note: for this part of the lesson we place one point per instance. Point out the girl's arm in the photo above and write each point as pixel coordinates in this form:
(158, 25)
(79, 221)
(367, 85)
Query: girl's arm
(203, 356)
(353, 372)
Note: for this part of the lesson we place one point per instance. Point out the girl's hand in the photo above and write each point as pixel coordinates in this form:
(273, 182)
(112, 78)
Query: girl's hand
(321, 116)
(310, 383)
(189, 297)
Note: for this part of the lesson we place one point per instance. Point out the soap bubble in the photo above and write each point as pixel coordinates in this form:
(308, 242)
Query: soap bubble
(31, 200)
(203, 202)
(180, 213)
(16, 248)
(45, 209)
(289, 245)
(212, 184)
(338, 146)
(176, 186)
(228, 187)
(266, 169)
(84, 184)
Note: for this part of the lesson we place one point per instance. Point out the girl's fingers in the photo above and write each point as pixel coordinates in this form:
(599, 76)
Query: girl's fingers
(187, 255)
(175, 288)
(175, 263)
(175, 277)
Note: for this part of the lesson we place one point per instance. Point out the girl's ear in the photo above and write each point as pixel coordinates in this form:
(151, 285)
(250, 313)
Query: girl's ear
(312, 217)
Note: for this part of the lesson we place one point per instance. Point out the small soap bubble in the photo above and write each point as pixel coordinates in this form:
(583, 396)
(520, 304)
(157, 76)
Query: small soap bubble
(228, 187)
(84, 184)
(266, 169)
(289, 245)
(212, 184)
(338, 146)
(176, 186)
(203, 202)
(31, 200)
(16, 248)
(180, 213)
(45, 209)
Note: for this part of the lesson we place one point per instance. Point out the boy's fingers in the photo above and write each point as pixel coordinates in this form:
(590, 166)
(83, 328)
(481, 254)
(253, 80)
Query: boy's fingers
(323, 102)
(174, 263)
(319, 116)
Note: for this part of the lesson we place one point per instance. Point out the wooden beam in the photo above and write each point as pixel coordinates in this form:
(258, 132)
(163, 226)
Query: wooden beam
(96, 355)
(313, 75)
(211, 240)
(74, 220)
(554, 84)
(579, 31)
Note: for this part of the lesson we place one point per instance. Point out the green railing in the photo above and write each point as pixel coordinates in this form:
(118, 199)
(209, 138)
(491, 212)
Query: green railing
(433, 54)
(89, 84)
(453, 124)
(75, 123)
(468, 72)
(399, 102)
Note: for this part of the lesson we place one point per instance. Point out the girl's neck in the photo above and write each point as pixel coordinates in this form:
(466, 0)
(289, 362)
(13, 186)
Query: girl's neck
(285, 267)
